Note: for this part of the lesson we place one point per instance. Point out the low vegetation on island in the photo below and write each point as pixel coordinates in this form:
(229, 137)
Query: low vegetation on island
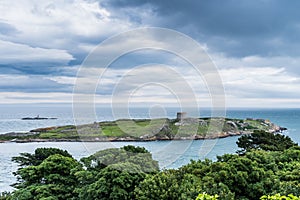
(266, 167)
(146, 130)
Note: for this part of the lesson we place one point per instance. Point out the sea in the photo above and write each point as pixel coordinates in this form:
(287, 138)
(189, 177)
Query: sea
(169, 154)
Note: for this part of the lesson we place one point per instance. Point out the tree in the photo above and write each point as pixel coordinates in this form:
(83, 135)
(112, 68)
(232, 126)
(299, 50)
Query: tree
(131, 173)
(136, 155)
(54, 178)
(115, 173)
(116, 181)
(264, 141)
(39, 155)
(169, 184)
(134, 149)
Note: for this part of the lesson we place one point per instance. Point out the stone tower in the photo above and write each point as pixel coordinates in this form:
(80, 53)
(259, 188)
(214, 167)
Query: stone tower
(181, 116)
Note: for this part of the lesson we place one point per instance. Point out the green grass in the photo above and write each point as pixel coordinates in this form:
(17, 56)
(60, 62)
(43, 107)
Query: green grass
(256, 125)
(112, 131)
(50, 135)
(8, 138)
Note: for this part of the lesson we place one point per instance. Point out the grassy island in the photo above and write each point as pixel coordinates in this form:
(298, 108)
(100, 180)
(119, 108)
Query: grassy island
(146, 130)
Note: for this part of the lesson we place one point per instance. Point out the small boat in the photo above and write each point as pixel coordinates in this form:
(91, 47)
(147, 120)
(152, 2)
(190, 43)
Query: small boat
(37, 118)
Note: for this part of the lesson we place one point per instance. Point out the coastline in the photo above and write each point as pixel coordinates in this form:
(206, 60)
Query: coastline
(127, 139)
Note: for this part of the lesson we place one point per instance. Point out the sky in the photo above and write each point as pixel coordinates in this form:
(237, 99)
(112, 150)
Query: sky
(255, 46)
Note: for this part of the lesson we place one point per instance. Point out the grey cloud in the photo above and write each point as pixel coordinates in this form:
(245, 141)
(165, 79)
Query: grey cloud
(39, 69)
(146, 56)
(236, 28)
(6, 28)
(31, 84)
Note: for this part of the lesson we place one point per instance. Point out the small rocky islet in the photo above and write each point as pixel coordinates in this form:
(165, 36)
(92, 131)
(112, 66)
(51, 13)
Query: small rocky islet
(180, 128)
(38, 118)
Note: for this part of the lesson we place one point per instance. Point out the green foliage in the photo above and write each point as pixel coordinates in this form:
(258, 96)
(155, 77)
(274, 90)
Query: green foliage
(264, 141)
(115, 173)
(279, 197)
(205, 196)
(133, 149)
(40, 154)
(113, 182)
(27, 160)
(250, 176)
(51, 173)
(169, 184)
(52, 179)
(136, 155)
(131, 173)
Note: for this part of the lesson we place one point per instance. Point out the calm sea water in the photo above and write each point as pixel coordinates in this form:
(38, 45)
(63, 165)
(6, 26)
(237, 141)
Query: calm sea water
(170, 154)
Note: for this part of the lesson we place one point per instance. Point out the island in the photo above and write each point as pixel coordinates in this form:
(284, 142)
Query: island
(37, 118)
(180, 128)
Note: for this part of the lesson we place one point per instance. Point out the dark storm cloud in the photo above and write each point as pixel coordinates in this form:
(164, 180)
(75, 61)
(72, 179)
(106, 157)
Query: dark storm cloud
(236, 28)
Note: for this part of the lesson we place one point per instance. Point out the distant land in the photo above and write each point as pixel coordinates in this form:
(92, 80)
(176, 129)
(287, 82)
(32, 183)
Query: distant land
(37, 118)
(181, 128)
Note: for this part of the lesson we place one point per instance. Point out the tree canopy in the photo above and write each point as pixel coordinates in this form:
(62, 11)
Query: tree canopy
(39, 155)
(264, 141)
(263, 171)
